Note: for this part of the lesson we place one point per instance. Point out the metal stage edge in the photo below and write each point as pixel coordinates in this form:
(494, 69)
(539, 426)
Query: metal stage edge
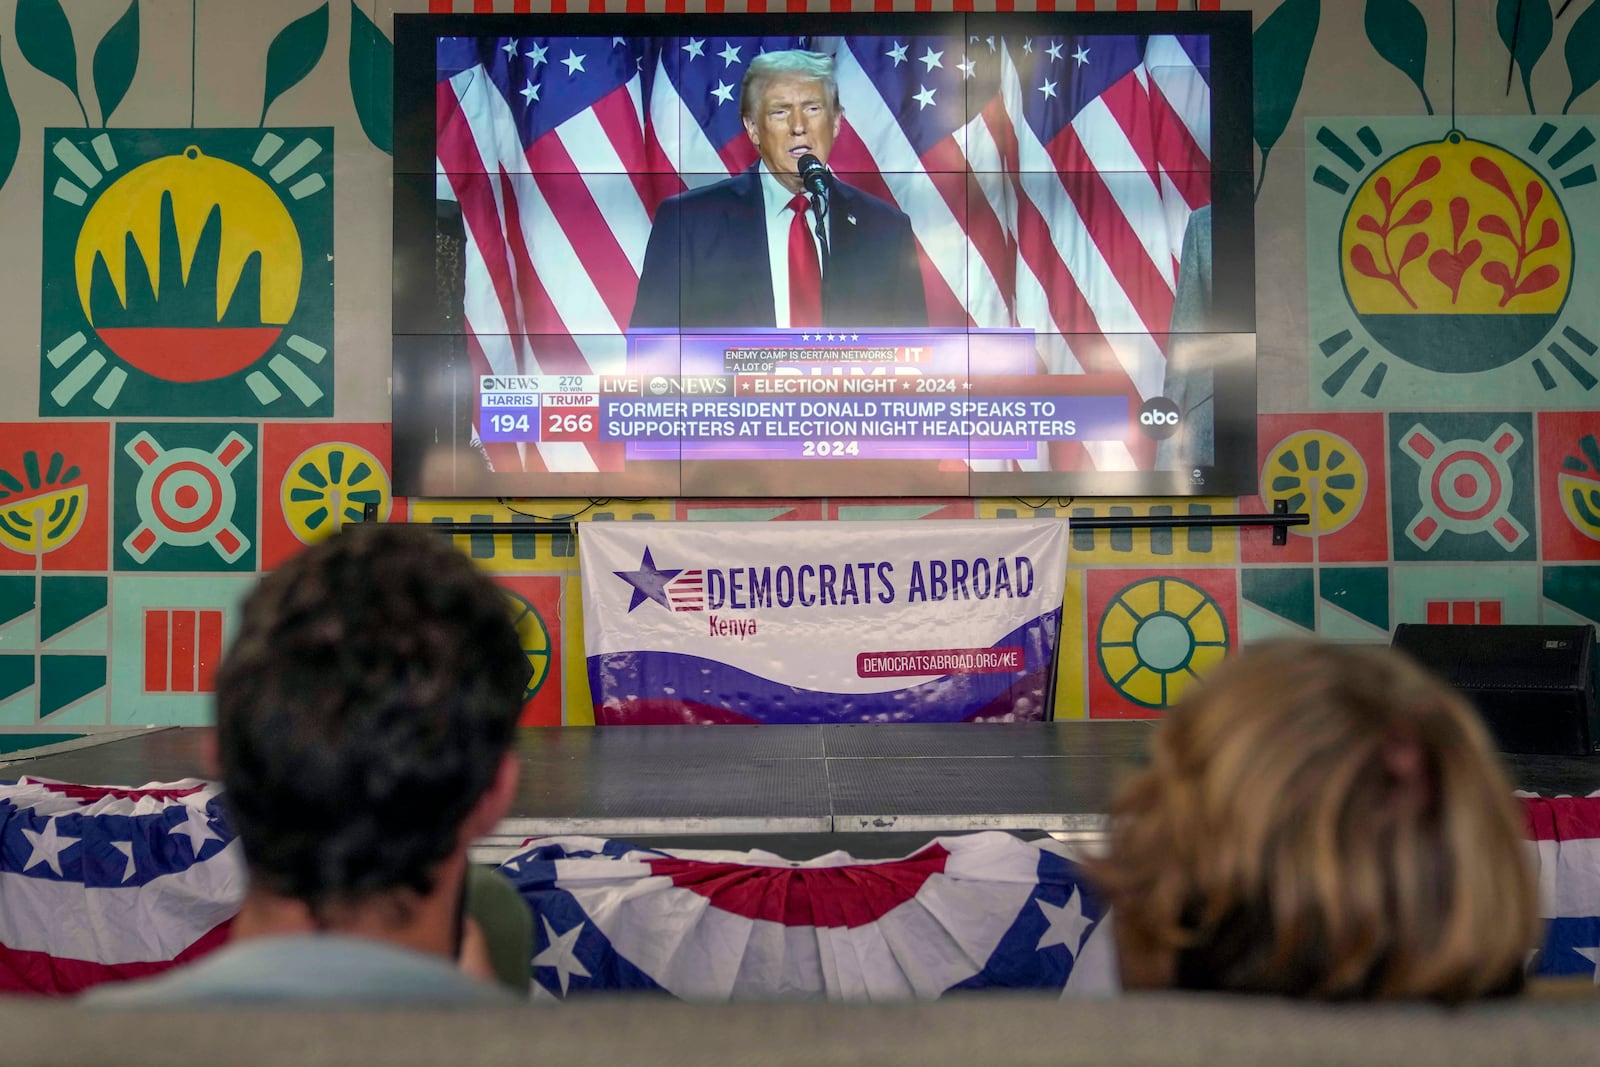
(876, 790)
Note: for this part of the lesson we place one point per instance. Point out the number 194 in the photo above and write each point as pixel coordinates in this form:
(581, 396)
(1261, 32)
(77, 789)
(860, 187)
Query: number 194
(510, 423)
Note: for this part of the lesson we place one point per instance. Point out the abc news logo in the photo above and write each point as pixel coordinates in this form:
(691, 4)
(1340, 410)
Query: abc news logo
(1159, 418)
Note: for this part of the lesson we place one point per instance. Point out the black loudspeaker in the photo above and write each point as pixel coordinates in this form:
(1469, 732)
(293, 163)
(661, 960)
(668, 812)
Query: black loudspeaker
(1533, 685)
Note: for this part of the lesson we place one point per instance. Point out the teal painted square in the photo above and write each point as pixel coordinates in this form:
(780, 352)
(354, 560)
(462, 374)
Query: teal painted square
(17, 673)
(19, 700)
(1484, 358)
(1572, 594)
(1461, 486)
(1287, 593)
(1515, 587)
(67, 685)
(73, 612)
(19, 627)
(131, 597)
(224, 308)
(186, 497)
(1357, 603)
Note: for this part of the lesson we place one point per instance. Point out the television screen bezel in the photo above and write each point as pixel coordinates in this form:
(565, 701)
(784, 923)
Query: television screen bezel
(1234, 471)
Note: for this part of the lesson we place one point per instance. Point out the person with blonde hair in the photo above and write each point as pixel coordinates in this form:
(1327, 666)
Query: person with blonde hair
(1326, 822)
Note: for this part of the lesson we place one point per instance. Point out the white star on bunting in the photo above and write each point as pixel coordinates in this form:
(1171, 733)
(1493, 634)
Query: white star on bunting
(126, 848)
(896, 52)
(924, 99)
(730, 55)
(560, 955)
(196, 826)
(537, 55)
(47, 846)
(530, 92)
(509, 48)
(696, 48)
(968, 68)
(1081, 55)
(723, 92)
(1067, 924)
(573, 62)
(1054, 51)
(932, 59)
(1592, 954)
(1048, 89)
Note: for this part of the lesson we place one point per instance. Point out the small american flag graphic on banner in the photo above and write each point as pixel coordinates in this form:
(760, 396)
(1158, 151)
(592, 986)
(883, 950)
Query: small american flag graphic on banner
(687, 592)
(1048, 181)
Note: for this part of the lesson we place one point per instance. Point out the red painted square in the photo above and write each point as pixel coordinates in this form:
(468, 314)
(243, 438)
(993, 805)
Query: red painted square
(1463, 612)
(1489, 612)
(1152, 632)
(314, 474)
(156, 652)
(56, 474)
(1438, 612)
(538, 617)
(1346, 491)
(1569, 485)
(208, 651)
(183, 651)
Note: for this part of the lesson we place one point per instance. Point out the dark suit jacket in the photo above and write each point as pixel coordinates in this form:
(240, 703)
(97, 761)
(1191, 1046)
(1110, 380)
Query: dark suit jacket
(706, 264)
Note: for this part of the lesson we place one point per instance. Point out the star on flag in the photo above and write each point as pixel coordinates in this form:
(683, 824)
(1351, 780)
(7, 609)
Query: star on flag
(560, 953)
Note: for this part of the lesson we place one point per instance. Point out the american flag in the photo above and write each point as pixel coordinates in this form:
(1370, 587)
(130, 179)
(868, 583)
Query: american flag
(101, 884)
(1048, 181)
(980, 911)
(687, 592)
(107, 883)
(1564, 836)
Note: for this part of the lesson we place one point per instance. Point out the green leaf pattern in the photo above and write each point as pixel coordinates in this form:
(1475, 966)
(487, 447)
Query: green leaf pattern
(1399, 33)
(293, 53)
(1282, 47)
(10, 131)
(372, 79)
(44, 37)
(1583, 54)
(1526, 27)
(116, 57)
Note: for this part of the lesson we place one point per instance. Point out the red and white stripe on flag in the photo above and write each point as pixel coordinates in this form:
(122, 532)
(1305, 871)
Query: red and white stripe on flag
(105, 883)
(1564, 840)
(489, 7)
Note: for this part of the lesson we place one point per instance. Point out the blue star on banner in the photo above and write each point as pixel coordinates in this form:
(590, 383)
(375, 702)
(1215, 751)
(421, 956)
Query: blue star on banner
(649, 582)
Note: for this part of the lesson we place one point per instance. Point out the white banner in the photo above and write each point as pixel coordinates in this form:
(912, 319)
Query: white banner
(803, 622)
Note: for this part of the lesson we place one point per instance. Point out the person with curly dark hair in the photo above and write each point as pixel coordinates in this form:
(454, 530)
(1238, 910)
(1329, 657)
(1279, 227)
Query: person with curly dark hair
(365, 717)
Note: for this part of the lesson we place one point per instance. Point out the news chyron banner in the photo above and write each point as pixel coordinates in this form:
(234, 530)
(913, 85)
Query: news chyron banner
(812, 622)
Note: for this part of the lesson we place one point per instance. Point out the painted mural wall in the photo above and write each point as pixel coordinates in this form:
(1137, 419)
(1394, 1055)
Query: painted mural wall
(191, 397)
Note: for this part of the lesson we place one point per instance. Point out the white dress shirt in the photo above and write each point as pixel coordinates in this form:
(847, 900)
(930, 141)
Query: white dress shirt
(779, 218)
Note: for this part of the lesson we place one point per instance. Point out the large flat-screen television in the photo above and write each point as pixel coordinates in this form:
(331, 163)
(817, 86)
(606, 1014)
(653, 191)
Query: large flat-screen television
(823, 255)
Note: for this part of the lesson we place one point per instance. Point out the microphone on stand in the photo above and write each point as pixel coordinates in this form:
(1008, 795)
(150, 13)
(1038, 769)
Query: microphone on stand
(814, 176)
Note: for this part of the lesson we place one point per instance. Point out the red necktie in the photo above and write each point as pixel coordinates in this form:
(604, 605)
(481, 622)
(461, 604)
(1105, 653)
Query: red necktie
(805, 273)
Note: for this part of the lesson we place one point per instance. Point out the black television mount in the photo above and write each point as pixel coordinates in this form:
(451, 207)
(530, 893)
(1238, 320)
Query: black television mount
(1280, 519)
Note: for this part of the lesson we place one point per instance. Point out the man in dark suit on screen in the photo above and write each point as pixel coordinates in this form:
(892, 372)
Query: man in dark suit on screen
(746, 252)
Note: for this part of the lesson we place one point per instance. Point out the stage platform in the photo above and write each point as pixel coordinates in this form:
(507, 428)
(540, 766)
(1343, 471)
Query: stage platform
(875, 790)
